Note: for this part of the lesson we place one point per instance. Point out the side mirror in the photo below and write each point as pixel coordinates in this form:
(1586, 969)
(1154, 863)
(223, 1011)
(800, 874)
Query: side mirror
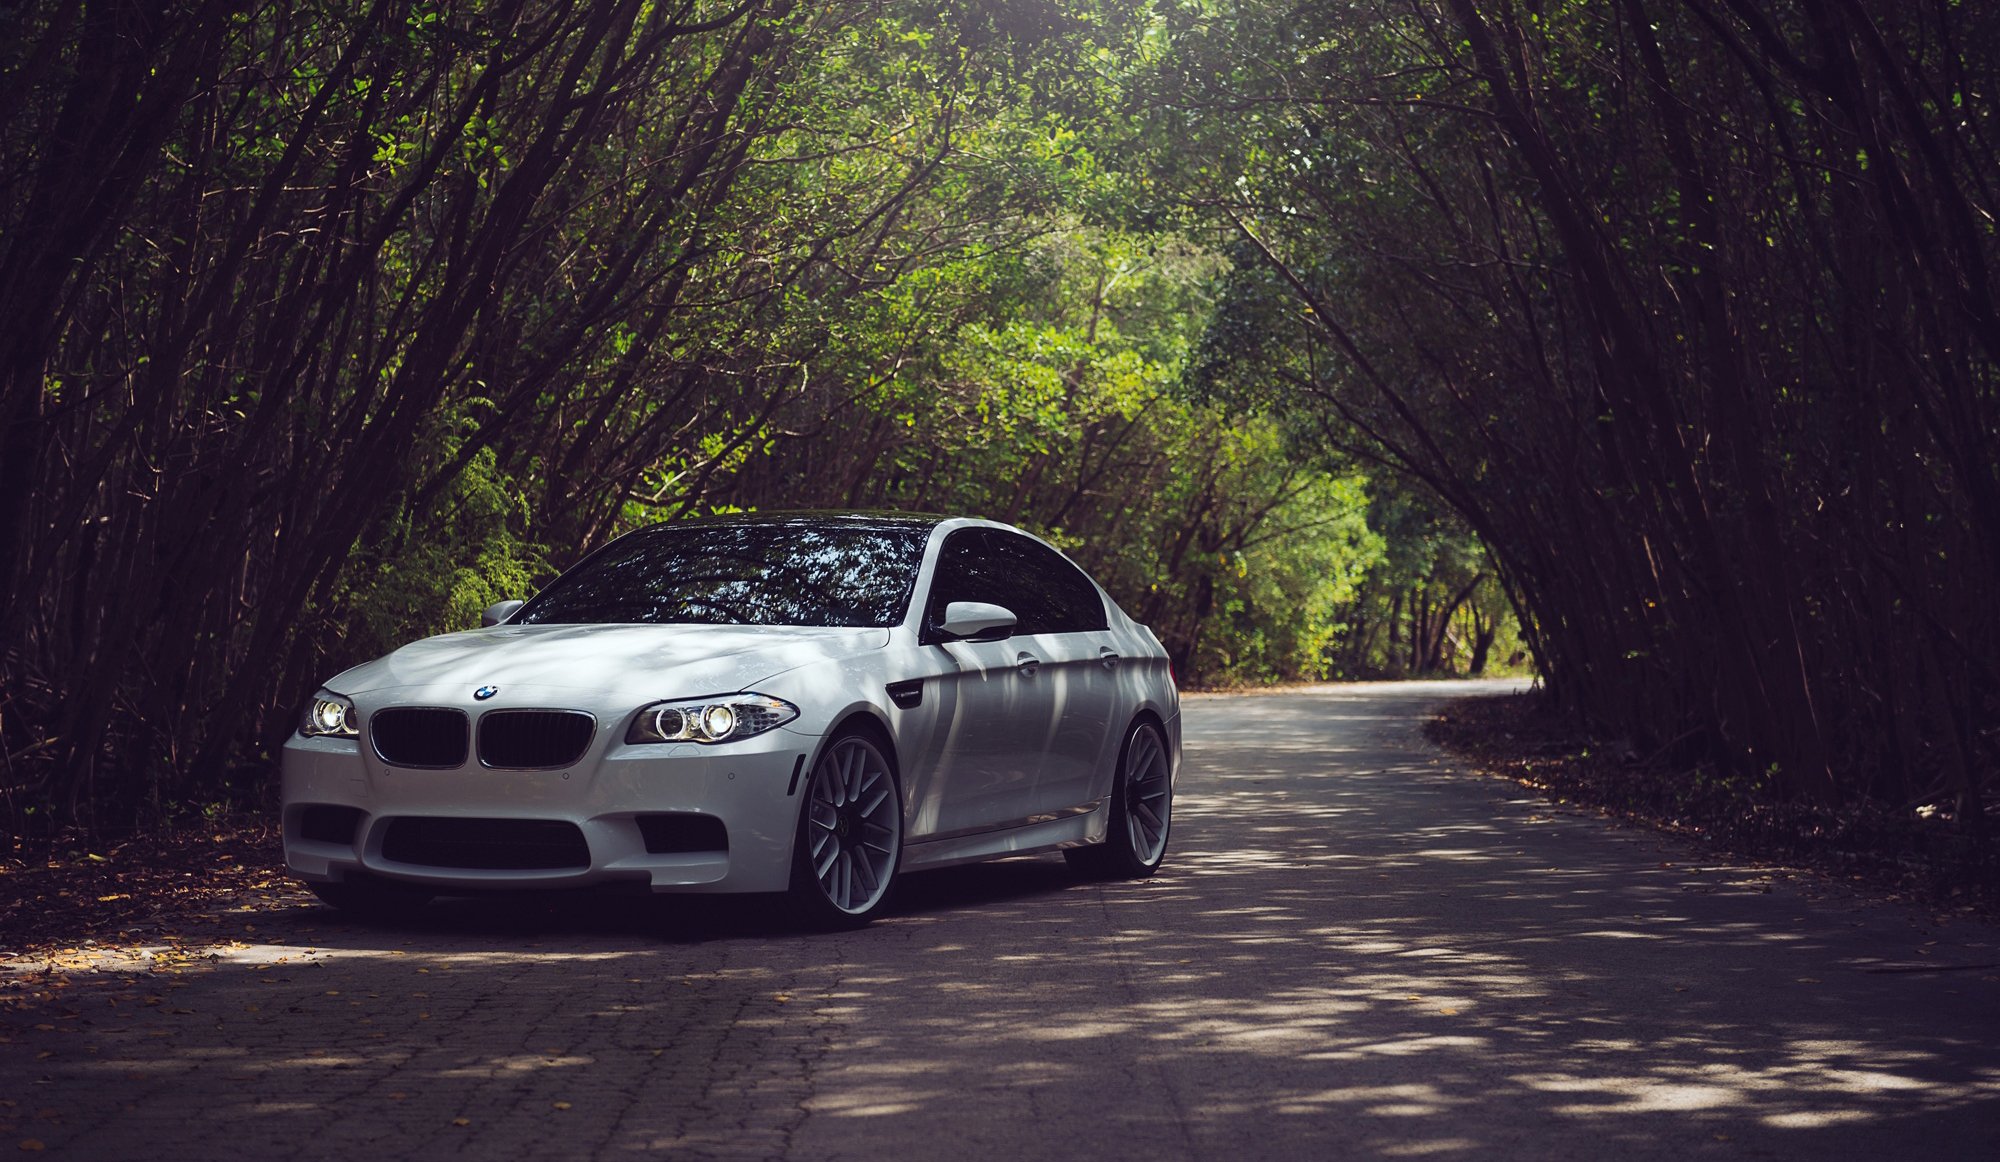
(977, 620)
(498, 612)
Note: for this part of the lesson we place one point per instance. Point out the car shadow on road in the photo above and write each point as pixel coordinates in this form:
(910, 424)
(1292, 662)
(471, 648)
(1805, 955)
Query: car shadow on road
(513, 920)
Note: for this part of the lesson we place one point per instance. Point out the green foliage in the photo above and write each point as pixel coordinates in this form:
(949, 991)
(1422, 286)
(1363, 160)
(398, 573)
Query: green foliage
(421, 572)
(1285, 602)
(1057, 402)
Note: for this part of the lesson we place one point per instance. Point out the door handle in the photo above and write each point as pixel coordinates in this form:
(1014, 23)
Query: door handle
(1027, 664)
(1108, 656)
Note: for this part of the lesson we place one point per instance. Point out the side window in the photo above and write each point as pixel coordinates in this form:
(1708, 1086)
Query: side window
(1065, 599)
(1046, 592)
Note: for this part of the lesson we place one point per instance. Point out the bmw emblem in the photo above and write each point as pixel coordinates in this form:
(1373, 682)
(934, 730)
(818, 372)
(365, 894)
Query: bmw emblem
(485, 692)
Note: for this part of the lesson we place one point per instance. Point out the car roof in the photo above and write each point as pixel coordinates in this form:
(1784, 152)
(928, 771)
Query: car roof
(810, 516)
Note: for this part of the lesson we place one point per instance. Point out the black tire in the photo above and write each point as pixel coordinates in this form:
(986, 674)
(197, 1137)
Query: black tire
(372, 899)
(849, 844)
(1142, 806)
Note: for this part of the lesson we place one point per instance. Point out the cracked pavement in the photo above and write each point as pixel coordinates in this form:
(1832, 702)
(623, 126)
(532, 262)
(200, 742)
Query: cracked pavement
(1354, 949)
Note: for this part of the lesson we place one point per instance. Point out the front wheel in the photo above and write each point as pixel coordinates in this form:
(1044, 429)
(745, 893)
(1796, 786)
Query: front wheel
(1142, 808)
(850, 838)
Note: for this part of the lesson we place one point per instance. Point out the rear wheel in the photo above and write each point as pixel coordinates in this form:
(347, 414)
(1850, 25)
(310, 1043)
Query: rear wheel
(371, 898)
(850, 839)
(1142, 806)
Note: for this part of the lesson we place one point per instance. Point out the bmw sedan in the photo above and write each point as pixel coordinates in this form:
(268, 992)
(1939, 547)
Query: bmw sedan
(804, 703)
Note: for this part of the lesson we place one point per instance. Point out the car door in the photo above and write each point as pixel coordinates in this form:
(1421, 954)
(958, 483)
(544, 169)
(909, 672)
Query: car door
(1069, 633)
(997, 708)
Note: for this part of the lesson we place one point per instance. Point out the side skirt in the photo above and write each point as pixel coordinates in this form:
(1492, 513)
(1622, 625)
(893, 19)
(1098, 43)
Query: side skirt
(1052, 835)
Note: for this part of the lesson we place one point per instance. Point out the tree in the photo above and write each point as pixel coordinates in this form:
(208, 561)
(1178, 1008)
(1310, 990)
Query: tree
(1681, 307)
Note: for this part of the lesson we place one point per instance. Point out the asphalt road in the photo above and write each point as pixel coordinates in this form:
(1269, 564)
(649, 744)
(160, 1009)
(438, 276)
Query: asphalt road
(1354, 950)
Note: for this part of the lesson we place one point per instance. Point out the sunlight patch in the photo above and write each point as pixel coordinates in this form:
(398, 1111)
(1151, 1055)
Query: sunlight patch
(1815, 1119)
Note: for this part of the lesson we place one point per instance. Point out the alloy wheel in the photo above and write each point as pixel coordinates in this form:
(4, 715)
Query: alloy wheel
(854, 825)
(1148, 795)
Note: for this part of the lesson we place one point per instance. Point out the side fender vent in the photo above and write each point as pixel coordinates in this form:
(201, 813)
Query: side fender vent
(908, 694)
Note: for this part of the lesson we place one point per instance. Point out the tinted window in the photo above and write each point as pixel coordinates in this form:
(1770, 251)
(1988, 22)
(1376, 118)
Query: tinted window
(803, 572)
(1045, 591)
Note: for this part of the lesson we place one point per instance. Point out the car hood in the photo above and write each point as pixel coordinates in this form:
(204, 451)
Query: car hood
(659, 661)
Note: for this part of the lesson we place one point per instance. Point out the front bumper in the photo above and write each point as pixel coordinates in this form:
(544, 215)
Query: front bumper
(751, 787)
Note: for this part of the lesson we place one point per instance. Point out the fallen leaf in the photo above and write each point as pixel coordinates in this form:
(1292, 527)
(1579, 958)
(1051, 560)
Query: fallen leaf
(562, 1105)
(461, 1121)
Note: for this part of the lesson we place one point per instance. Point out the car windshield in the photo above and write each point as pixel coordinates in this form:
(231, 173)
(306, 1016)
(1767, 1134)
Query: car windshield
(772, 572)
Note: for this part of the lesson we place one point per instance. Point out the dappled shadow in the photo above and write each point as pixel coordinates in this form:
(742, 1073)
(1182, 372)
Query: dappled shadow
(1351, 950)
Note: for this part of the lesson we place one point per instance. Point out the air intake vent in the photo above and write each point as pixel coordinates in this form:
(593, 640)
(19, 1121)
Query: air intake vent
(682, 831)
(529, 740)
(493, 844)
(323, 823)
(419, 736)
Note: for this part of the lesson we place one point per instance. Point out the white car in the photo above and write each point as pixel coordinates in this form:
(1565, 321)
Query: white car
(805, 703)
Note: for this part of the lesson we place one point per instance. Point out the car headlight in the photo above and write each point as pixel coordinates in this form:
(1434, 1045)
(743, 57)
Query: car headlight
(330, 716)
(723, 718)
